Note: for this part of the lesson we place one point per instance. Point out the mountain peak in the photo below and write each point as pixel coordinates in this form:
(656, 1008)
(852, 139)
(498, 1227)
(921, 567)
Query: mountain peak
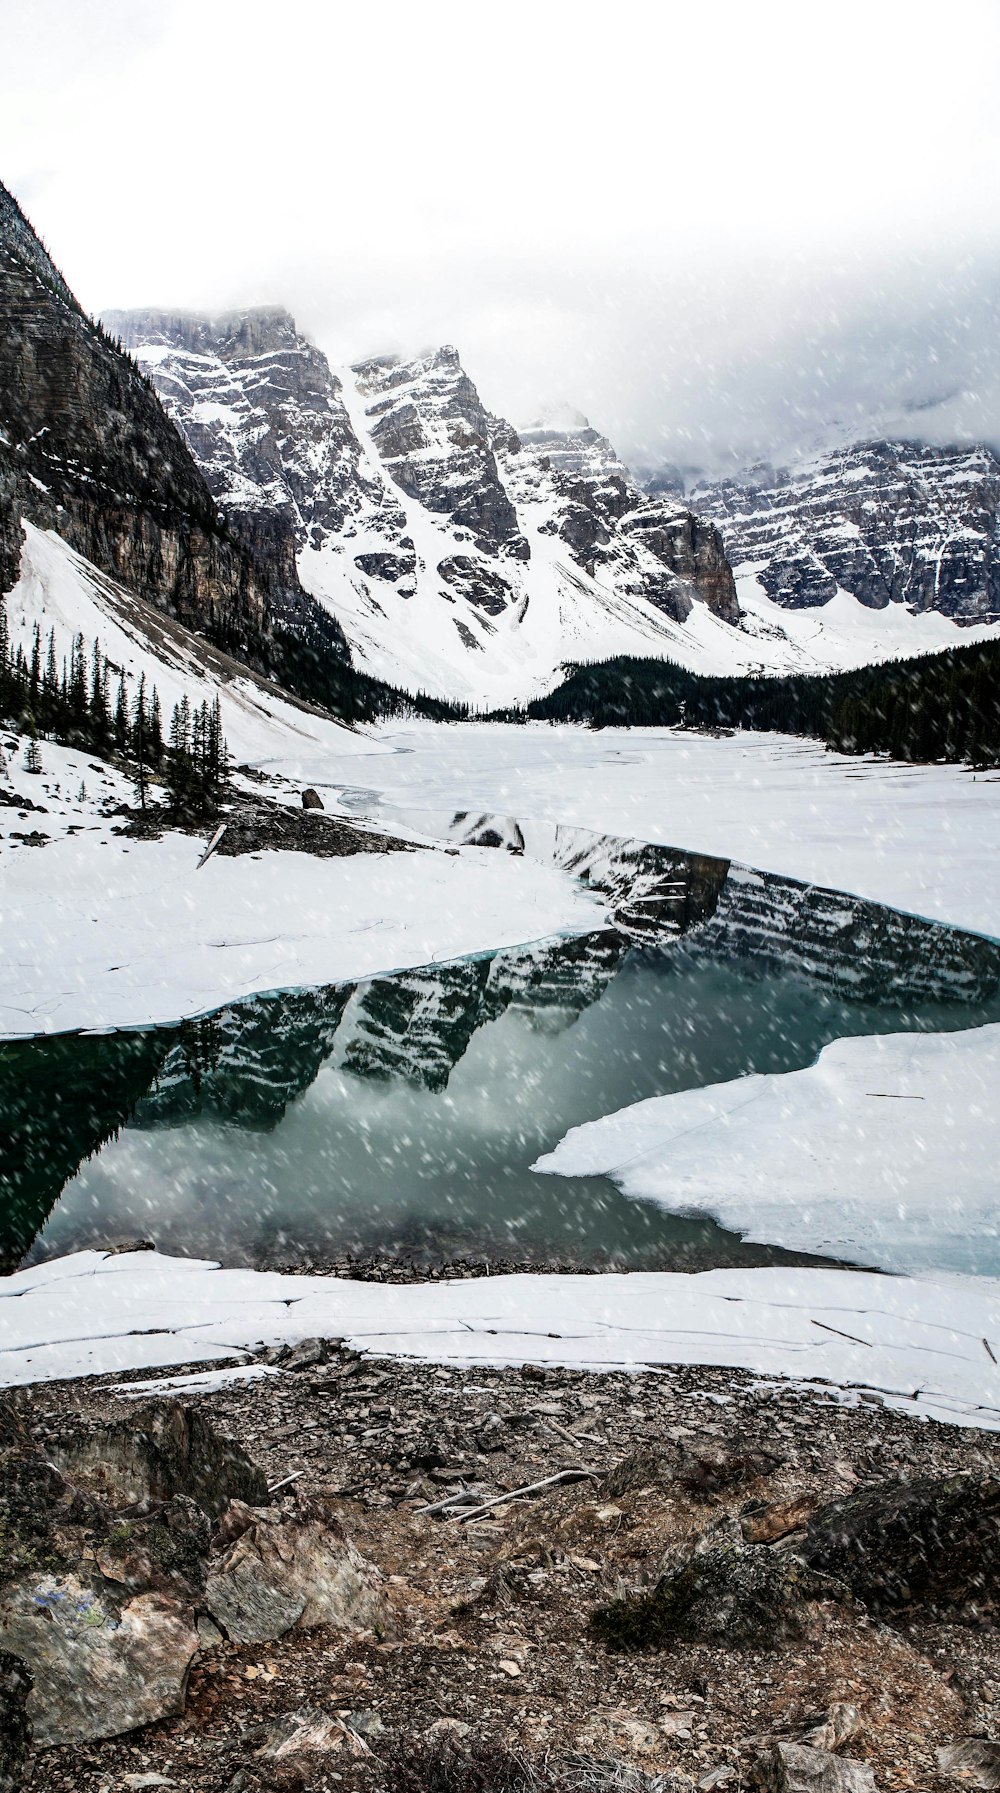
(254, 330)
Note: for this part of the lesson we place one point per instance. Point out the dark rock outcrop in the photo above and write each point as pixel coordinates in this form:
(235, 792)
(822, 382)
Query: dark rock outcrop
(157, 1452)
(931, 1542)
(889, 522)
(740, 1595)
(478, 584)
(692, 550)
(87, 450)
(15, 1725)
(975, 1762)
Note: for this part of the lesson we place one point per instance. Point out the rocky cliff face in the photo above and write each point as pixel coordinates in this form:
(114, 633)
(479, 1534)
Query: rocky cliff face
(262, 414)
(889, 522)
(86, 449)
(436, 440)
(460, 556)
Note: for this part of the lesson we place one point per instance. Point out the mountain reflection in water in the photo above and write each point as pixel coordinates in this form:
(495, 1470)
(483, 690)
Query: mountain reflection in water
(400, 1116)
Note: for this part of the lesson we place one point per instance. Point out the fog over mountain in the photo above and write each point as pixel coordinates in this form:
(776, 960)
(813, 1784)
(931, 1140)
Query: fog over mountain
(737, 233)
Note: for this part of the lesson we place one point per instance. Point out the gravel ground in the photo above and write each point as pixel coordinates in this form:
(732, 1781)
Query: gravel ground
(488, 1645)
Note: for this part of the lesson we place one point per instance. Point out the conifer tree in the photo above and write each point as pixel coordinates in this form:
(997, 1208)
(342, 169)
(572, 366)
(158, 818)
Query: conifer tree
(140, 742)
(121, 717)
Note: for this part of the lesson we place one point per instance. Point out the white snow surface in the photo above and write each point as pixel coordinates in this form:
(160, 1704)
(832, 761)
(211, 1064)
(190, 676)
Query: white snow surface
(883, 1152)
(924, 839)
(100, 933)
(925, 1347)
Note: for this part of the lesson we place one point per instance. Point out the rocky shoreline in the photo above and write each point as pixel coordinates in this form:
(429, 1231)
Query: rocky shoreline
(478, 1662)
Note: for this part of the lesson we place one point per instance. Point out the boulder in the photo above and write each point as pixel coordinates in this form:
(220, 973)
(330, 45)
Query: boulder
(98, 1668)
(311, 799)
(930, 1542)
(157, 1452)
(302, 1573)
(842, 1722)
(974, 1762)
(15, 1725)
(737, 1595)
(306, 1729)
(795, 1768)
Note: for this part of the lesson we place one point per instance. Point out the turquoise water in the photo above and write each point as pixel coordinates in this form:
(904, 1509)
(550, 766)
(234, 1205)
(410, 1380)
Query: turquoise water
(401, 1116)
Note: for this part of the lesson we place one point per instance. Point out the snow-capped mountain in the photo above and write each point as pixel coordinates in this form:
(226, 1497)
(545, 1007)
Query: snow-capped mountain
(894, 524)
(459, 557)
(464, 557)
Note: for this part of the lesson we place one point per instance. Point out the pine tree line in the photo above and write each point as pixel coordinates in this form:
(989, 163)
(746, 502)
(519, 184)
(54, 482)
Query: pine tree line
(77, 702)
(938, 707)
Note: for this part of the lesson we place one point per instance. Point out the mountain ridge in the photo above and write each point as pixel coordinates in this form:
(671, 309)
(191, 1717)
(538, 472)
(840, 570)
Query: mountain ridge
(888, 521)
(87, 450)
(475, 560)
(457, 556)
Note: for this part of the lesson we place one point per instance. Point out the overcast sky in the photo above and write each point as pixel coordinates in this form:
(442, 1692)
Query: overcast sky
(722, 229)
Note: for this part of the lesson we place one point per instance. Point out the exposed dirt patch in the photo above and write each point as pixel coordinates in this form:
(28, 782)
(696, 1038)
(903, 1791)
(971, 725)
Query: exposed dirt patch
(255, 825)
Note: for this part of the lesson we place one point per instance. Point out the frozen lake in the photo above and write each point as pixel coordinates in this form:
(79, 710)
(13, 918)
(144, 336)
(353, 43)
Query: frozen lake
(401, 1115)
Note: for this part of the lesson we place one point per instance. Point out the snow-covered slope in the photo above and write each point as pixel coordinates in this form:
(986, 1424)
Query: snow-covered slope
(59, 590)
(898, 527)
(105, 930)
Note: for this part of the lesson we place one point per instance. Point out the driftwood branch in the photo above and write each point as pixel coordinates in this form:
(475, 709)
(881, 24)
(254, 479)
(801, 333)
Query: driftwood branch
(273, 1489)
(213, 843)
(500, 1500)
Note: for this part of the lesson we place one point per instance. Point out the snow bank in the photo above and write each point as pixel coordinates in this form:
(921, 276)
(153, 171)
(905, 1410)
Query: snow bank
(100, 931)
(926, 1347)
(883, 1152)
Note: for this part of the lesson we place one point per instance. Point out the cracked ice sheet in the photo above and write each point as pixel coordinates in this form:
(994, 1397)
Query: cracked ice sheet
(927, 1346)
(925, 839)
(883, 1152)
(100, 932)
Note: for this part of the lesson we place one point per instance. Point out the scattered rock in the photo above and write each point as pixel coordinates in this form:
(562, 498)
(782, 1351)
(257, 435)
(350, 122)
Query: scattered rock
(794, 1768)
(305, 1729)
(841, 1723)
(610, 1733)
(306, 1354)
(975, 1762)
(445, 1728)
